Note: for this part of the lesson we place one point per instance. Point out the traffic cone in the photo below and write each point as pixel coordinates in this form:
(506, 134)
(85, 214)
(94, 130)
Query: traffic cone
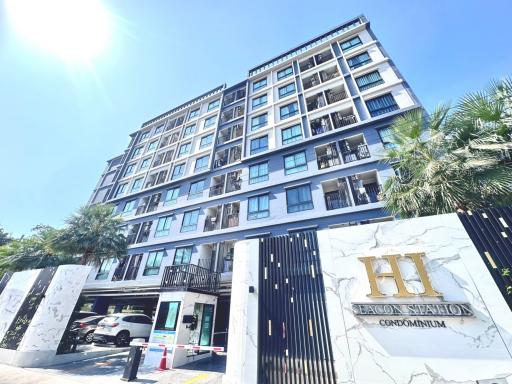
(163, 361)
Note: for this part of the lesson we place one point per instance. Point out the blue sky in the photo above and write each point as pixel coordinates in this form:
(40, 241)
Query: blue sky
(60, 122)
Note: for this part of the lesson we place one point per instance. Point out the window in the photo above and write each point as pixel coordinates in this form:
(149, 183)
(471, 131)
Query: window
(193, 114)
(258, 207)
(178, 171)
(121, 189)
(351, 43)
(144, 136)
(154, 201)
(153, 263)
(201, 163)
(259, 84)
(210, 121)
(259, 121)
(190, 221)
(369, 80)
(129, 169)
(182, 256)
(144, 232)
(152, 145)
(129, 206)
(145, 163)
(258, 173)
(137, 185)
(205, 141)
(171, 196)
(288, 110)
(259, 101)
(284, 73)
(213, 105)
(259, 144)
(386, 137)
(382, 104)
(105, 267)
(359, 60)
(158, 130)
(299, 199)
(136, 152)
(184, 149)
(167, 317)
(291, 134)
(196, 189)
(189, 130)
(180, 120)
(163, 226)
(295, 163)
(286, 90)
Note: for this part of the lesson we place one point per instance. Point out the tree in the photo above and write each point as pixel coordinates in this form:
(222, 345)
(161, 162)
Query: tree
(94, 233)
(452, 159)
(4, 237)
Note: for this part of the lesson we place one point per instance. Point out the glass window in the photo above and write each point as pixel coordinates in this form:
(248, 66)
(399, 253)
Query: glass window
(129, 206)
(259, 121)
(202, 163)
(259, 84)
(295, 163)
(351, 43)
(178, 171)
(284, 73)
(182, 256)
(152, 145)
(259, 144)
(129, 169)
(167, 316)
(171, 196)
(193, 114)
(382, 104)
(386, 137)
(121, 189)
(190, 221)
(359, 60)
(299, 199)
(136, 152)
(369, 80)
(214, 104)
(291, 134)
(289, 110)
(184, 149)
(196, 189)
(153, 263)
(258, 207)
(258, 173)
(163, 226)
(144, 136)
(286, 90)
(137, 185)
(259, 101)
(206, 141)
(210, 121)
(145, 163)
(189, 130)
(158, 130)
(105, 267)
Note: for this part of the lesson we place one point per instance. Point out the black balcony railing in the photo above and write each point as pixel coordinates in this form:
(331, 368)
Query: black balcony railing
(361, 152)
(190, 277)
(336, 199)
(216, 190)
(333, 97)
(327, 161)
(326, 76)
(220, 162)
(341, 121)
(211, 223)
(371, 194)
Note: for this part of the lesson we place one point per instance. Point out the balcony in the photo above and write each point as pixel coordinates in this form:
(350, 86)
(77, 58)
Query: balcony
(227, 156)
(329, 74)
(321, 125)
(189, 277)
(336, 194)
(341, 120)
(323, 57)
(310, 82)
(230, 215)
(336, 94)
(212, 221)
(360, 152)
(307, 64)
(366, 188)
(216, 190)
(315, 102)
(327, 156)
(230, 133)
(233, 181)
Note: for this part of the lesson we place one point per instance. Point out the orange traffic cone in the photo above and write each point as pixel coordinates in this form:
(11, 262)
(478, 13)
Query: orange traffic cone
(163, 361)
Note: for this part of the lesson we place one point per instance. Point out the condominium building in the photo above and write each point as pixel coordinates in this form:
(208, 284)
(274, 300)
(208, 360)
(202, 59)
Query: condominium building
(295, 146)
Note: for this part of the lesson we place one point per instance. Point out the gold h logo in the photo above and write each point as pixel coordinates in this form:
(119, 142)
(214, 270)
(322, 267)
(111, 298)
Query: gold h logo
(397, 276)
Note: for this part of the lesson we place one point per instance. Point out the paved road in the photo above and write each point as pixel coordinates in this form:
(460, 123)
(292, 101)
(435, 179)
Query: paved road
(109, 371)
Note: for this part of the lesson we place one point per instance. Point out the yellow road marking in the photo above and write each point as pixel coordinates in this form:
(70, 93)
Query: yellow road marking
(197, 378)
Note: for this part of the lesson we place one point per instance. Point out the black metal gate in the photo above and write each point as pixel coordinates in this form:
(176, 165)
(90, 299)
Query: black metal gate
(294, 345)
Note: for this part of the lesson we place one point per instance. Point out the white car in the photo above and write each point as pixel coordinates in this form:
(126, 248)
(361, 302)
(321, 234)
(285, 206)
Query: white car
(120, 328)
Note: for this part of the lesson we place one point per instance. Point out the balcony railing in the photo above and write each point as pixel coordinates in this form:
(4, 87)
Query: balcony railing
(323, 57)
(220, 162)
(212, 223)
(333, 97)
(370, 195)
(336, 199)
(341, 121)
(326, 76)
(327, 161)
(233, 185)
(190, 277)
(216, 190)
(315, 102)
(361, 152)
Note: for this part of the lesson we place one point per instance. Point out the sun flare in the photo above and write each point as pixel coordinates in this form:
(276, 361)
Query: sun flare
(75, 30)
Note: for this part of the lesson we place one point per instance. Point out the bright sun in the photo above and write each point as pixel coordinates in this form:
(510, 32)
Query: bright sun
(75, 30)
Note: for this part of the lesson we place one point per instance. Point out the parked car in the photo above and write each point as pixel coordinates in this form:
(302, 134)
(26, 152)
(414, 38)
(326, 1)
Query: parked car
(84, 328)
(120, 328)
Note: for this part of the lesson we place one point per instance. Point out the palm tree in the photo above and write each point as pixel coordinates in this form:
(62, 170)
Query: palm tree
(452, 159)
(94, 233)
(4, 237)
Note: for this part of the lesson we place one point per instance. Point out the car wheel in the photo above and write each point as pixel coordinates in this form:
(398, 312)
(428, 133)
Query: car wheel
(123, 338)
(89, 337)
